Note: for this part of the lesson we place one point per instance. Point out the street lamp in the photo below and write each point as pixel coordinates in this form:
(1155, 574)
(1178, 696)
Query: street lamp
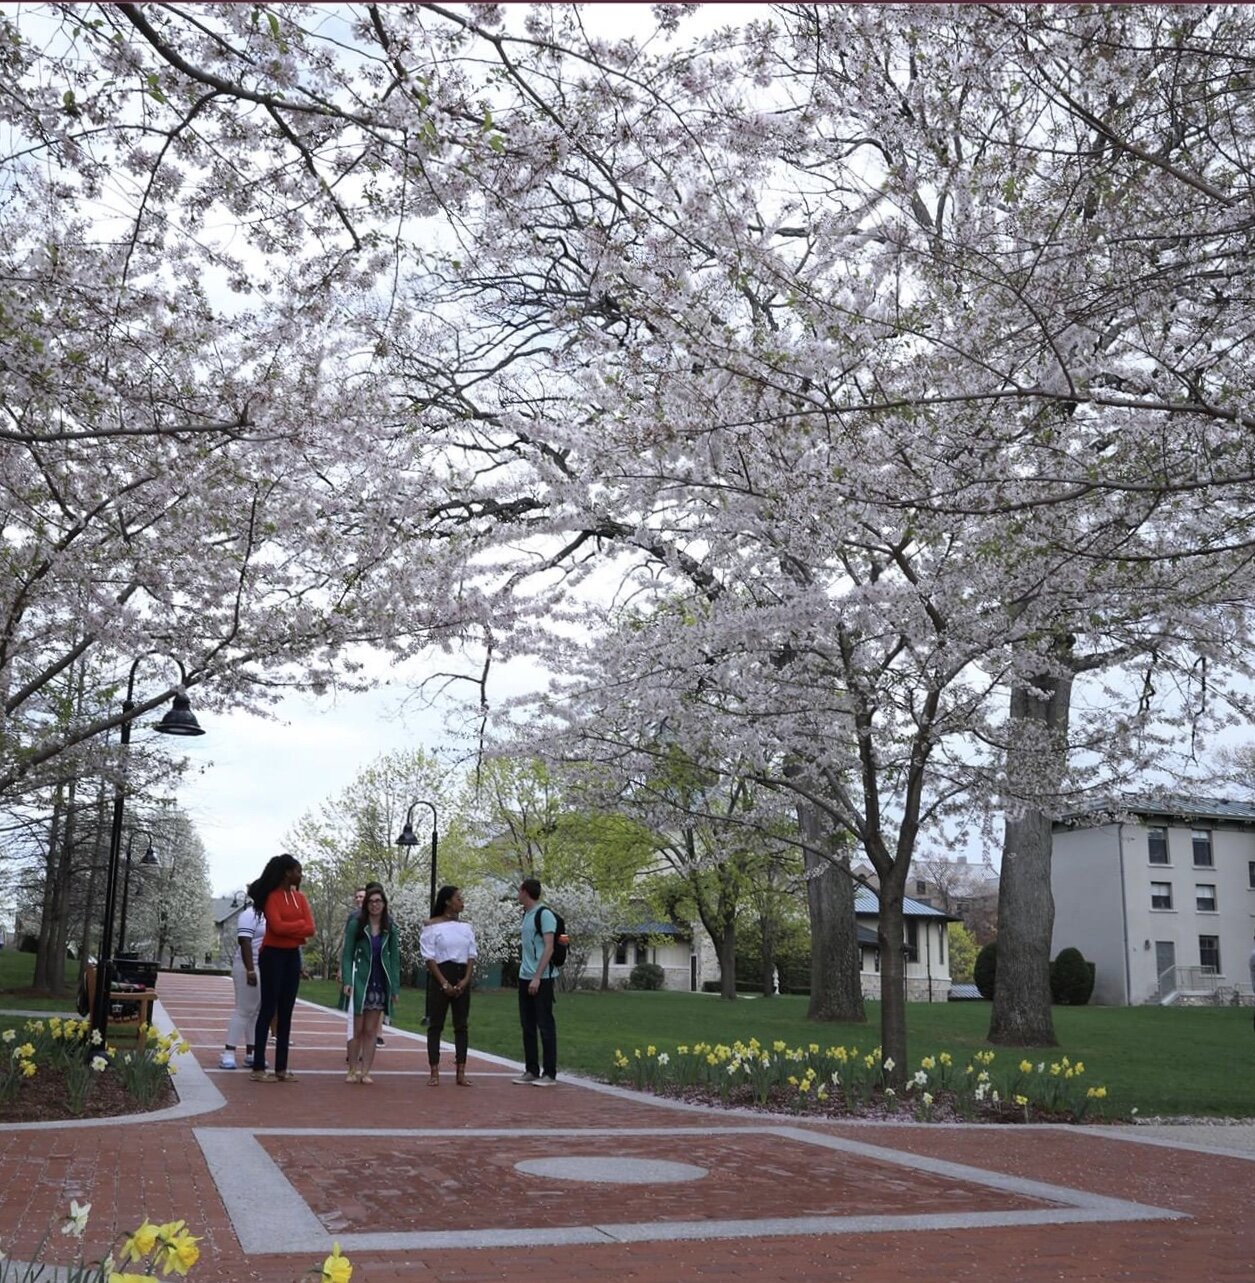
(409, 839)
(149, 858)
(179, 720)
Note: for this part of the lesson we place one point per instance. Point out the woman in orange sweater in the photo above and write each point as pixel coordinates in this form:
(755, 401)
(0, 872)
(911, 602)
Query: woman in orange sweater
(277, 892)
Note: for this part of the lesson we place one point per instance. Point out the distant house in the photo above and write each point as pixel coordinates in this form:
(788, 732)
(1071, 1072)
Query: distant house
(226, 913)
(1159, 894)
(671, 946)
(925, 945)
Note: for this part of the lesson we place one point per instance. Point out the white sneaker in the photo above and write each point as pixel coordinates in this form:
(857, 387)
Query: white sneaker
(525, 1078)
(226, 1061)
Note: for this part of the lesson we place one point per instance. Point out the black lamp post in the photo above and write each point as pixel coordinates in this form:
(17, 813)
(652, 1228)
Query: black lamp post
(179, 720)
(149, 858)
(408, 838)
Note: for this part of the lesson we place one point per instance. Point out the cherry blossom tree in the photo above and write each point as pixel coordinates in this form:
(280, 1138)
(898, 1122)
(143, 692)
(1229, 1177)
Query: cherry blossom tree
(902, 394)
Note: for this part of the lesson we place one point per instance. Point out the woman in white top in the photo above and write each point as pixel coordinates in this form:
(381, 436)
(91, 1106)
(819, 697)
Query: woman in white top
(448, 948)
(250, 927)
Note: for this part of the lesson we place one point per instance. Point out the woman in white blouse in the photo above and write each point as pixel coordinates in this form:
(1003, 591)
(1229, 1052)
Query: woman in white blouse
(448, 947)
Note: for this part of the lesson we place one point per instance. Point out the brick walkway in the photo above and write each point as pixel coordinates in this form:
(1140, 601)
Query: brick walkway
(422, 1184)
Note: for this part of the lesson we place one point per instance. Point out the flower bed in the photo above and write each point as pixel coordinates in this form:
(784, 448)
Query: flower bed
(50, 1070)
(841, 1082)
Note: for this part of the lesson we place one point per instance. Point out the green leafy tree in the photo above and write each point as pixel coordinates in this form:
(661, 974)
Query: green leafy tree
(963, 950)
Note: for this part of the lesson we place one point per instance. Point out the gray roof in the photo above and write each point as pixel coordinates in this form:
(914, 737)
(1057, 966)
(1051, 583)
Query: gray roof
(653, 929)
(1176, 806)
(226, 907)
(867, 905)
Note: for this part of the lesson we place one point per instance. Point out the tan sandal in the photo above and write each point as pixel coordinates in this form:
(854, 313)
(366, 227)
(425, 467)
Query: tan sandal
(351, 1076)
(367, 1079)
(434, 1080)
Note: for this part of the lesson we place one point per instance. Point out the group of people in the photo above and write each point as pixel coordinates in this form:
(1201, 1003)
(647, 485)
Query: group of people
(277, 921)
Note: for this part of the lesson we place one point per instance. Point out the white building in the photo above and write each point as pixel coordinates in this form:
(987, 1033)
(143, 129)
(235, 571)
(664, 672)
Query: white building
(926, 948)
(1159, 894)
(684, 954)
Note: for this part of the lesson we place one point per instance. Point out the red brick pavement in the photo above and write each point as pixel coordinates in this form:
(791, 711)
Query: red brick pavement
(462, 1182)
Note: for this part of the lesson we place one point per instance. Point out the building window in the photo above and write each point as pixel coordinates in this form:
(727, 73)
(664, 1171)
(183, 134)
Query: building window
(642, 952)
(921, 887)
(620, 953)
(1202, 848)
(1250, 873)
(1157, 845)
(1205, 896)
(1209, 953)
(1161, 895)
(941, 946)
(912, 940)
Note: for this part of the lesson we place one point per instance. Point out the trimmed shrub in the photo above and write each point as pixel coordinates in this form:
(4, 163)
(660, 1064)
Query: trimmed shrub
(646, 975)
(1071, 979)
(985, 971)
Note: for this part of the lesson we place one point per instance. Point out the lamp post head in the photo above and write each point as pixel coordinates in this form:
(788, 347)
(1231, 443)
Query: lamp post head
(407, 837)
(150, 856)
(179, 718)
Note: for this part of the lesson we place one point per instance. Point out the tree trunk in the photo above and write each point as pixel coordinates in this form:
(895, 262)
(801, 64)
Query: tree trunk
(725, 944)
(836, 986)
(891, 936)
(605, 967)
(48, 910)
(99, 829)
(1026, 910)
(768, 924)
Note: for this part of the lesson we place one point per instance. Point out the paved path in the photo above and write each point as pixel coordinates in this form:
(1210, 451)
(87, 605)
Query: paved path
(434, 1185)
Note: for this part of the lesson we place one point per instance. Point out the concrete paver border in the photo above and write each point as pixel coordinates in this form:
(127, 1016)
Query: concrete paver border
(269, 1215)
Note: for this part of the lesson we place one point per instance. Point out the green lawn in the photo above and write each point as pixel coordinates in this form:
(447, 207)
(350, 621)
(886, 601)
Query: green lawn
(1159, 1060)
(17, 970)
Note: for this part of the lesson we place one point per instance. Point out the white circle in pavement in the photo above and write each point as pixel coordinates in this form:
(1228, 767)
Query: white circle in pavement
(612, 1171)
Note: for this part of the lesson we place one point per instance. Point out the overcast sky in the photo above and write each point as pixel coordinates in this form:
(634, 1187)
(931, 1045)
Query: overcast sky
(249, 778)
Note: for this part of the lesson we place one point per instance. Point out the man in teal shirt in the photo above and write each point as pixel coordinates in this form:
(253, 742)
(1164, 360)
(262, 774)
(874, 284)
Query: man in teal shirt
(536, 979)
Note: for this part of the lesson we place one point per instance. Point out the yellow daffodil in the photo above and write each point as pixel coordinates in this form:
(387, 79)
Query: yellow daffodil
(336, 1268)
(139, 1244)
(115, 1277)
(177, 1248)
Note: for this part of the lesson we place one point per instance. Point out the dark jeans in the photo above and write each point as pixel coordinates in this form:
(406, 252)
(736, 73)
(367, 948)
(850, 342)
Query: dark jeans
(536, 1017)
(439, 1004)
(279, 979)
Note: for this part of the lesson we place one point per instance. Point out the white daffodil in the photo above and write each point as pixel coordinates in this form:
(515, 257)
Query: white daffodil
(76, 1221)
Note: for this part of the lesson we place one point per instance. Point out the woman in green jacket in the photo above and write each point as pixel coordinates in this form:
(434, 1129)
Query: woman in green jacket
(371, 966)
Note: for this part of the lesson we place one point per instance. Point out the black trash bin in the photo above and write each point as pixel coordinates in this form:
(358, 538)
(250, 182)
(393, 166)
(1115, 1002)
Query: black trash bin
(135, 971)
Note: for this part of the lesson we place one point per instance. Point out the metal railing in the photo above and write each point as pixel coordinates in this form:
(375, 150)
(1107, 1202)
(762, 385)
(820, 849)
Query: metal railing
(1191, 980)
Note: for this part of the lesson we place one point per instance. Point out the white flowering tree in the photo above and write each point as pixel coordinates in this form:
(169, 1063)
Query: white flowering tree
(899, 394)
